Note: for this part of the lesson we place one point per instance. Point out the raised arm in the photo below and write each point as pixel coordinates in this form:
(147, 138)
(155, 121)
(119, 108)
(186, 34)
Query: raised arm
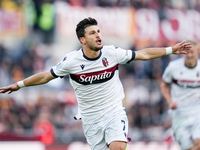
(37, 79)
(166, 94)
(152, 53)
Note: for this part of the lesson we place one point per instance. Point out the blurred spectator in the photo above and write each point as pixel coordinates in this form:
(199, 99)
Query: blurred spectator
(44, 24)
(76, 2)
(43, 127)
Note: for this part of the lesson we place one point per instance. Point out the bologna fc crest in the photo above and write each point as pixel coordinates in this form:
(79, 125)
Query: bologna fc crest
(105, 61)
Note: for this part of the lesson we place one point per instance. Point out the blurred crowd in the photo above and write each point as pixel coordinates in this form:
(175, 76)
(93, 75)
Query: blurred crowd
(154, 4)
(46, 112)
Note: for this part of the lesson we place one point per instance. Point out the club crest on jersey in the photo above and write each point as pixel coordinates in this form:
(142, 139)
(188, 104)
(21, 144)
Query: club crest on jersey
(105, 61)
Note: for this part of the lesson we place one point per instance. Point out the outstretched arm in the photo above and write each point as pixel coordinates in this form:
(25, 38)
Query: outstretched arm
(166, 94)
(152, 53)
(37, 79)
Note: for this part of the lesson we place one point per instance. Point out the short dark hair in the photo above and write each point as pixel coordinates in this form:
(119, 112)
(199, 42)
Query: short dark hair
(80, 28)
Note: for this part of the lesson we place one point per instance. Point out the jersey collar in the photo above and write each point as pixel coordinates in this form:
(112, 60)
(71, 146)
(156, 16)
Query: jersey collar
(92, 59)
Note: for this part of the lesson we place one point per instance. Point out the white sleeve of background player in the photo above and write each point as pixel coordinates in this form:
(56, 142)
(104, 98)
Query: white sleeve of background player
(61, 69)
(124, 56)
(167, 75)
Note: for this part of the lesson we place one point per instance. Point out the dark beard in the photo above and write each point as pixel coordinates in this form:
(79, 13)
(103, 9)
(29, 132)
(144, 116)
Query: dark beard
(96, 49)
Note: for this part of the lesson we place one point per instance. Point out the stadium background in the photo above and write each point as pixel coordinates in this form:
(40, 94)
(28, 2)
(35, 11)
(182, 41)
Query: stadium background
(36, 34)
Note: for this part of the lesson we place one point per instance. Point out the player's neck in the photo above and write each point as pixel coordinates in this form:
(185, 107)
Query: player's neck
(190, 64)
(90, 53)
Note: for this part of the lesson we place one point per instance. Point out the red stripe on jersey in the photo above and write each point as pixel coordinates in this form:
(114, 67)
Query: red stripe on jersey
(187, 83)
(94, 77)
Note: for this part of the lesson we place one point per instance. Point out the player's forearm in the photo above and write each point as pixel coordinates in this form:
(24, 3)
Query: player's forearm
(150, 53)
(167, 97)
(38, 79)
(165, 92)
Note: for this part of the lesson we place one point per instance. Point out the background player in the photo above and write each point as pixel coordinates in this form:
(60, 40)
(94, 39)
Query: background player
(93, 72)
(183, 75)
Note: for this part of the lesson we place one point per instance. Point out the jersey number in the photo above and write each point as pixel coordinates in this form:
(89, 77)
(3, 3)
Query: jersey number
(124, 127)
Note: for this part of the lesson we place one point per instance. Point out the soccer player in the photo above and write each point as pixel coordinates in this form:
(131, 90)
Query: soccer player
(183, 76)
(93, 72)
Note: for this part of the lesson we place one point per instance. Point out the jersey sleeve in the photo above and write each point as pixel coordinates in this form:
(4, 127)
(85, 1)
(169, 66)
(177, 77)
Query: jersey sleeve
(124, 56)
(61, 69)
(167, 75)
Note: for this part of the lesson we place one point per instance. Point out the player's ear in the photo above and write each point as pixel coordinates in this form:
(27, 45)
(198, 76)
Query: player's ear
(82, 40)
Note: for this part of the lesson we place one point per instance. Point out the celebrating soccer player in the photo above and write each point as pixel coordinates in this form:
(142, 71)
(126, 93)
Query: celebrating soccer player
(93, 72)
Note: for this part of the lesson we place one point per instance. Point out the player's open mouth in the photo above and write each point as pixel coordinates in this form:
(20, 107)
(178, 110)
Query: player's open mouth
(98, 41)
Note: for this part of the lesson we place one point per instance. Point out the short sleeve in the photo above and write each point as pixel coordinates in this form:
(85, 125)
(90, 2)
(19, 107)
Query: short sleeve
(61, 69)
(124, 56)
(167, 75)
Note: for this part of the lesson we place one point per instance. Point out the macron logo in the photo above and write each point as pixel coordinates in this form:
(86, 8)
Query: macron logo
(82, 66)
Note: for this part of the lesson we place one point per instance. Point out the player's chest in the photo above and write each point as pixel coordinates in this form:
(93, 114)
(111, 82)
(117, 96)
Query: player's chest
(187, 74)
(89, 66)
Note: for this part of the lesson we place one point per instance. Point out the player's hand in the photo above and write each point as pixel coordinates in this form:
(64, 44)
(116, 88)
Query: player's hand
(181, 48)
(9, 89)
(173, 105)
